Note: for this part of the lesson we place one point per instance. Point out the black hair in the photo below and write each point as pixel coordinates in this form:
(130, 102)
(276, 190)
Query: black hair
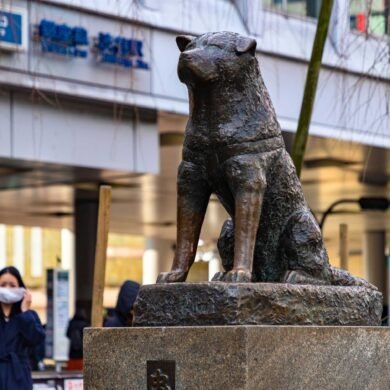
(14, 272)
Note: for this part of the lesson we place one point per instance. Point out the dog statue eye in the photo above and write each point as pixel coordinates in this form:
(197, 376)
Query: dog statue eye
(215, 45)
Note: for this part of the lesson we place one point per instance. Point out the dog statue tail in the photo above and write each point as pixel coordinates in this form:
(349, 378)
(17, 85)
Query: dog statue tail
(341, 277)
(335, 277)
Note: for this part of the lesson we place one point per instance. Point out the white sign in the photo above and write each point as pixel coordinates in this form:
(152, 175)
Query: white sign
(73, 384)
(57, 344)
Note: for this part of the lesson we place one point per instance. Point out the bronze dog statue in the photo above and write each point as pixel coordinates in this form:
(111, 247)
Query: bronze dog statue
(233, 147)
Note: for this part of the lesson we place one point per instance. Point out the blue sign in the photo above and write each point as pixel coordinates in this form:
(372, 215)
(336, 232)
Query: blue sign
(62, 39)
(10, 28)
(116, 50)
(120, 51)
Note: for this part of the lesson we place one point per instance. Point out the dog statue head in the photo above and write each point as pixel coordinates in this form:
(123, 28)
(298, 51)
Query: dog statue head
(213, 57)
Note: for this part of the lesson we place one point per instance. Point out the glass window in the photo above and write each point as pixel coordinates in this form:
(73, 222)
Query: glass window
(369, 16)
(295, 7)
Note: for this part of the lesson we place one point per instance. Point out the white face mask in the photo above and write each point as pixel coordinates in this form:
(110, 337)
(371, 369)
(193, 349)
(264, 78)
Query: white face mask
(11, 295)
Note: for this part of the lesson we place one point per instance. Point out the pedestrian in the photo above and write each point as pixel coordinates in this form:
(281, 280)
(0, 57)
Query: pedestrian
(123, 313)
(20, 330)
(75, 335)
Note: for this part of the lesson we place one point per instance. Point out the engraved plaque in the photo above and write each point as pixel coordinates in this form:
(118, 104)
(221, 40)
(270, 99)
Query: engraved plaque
(160, 374)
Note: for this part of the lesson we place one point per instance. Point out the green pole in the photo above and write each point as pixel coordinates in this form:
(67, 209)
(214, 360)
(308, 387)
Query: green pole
(313, 72)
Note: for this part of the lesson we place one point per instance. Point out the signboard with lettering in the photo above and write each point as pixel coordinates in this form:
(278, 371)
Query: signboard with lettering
(73, 384)
(92, 49)
(120, 51)
(57, 286)
(13, 29)
(62, 39)
(65, 40)
(51, 380)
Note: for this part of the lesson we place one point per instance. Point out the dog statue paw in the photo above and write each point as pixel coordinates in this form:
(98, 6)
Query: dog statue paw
(172, 277)
(238, 276)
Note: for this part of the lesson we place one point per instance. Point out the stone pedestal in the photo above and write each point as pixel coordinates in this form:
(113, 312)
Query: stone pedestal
(218, 303)
(237, 357)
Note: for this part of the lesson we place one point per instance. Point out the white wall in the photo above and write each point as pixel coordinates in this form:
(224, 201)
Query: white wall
(5, 125)
(77, 135)
(195, 16)
(349, 105)
(290, 36)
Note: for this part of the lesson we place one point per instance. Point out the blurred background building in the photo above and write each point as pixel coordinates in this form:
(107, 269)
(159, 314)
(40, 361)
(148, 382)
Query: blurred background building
(89, 95)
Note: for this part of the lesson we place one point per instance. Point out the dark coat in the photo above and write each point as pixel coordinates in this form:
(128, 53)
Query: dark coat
(75, 335)
(22, 332)
(122, 315)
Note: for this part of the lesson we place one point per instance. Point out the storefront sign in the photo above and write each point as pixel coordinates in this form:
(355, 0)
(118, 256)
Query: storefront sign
(13, 29)
(68, 41)
(62, 39)
(120, 51)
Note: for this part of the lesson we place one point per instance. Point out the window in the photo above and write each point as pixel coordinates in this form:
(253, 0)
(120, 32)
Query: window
(369, 16)
(295, 7)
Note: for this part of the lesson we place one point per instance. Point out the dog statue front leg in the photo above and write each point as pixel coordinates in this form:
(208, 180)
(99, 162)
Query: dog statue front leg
(193, 196)
(247, 218)
(189, 223)
(248, 186)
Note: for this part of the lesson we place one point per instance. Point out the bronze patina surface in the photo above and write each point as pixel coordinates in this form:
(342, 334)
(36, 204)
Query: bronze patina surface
(222, 303)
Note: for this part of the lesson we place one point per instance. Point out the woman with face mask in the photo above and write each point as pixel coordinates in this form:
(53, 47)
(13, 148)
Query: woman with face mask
(20, 330)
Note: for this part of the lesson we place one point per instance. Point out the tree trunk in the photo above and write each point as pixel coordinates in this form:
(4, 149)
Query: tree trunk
(313, 72)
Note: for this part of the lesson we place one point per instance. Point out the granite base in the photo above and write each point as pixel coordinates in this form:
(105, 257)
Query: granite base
(237, 357)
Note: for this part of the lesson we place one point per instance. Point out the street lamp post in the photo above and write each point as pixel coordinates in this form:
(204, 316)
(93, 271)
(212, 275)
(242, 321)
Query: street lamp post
(365, 203)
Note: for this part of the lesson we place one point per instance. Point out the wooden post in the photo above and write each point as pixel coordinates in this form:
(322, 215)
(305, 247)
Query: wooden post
(100, 256)
(343, 234)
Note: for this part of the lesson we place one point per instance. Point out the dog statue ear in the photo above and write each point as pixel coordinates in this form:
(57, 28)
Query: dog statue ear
(246, 45)
(182, 41)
